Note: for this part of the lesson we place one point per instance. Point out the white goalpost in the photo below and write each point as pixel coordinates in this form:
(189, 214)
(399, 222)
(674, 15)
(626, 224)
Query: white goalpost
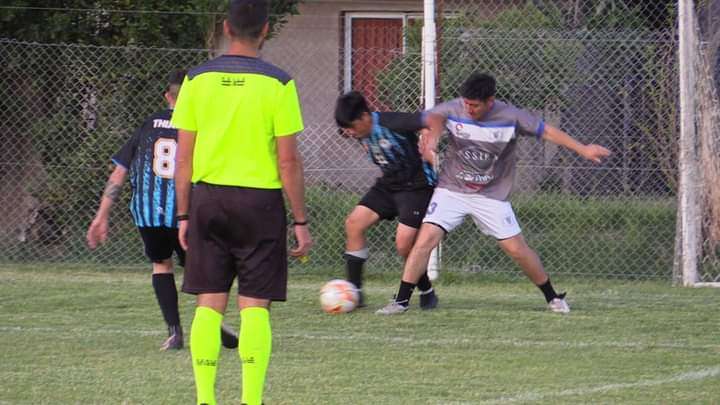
(428, 90)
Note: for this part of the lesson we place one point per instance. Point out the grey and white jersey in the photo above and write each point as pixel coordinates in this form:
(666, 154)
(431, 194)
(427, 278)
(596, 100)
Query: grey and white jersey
(481, 155)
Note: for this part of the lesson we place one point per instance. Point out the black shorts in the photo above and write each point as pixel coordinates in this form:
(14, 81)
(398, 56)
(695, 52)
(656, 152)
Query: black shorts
(160, 243)
(237, 232)
(408, 206)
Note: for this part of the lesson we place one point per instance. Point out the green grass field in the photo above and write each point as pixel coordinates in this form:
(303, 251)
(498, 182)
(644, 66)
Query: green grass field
(77, 336)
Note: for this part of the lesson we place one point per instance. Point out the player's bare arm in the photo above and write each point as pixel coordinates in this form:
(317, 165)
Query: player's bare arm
(183, 176)
(592, 152)
(291, 175)
(431, 137)
(98, 231)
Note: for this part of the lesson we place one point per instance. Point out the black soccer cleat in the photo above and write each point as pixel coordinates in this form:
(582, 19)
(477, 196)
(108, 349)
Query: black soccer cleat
(229, 337)
(174, 340)
(429, 301)
(361, 299)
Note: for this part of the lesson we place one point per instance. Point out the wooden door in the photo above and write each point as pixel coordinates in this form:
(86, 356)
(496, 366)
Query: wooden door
(375, 43)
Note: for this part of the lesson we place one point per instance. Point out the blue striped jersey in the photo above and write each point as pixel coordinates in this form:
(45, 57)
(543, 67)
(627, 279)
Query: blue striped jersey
(393, 146)
(149, 156)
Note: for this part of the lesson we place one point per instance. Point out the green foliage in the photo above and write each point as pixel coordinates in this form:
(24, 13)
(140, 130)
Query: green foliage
(532, 50)
(660, 129)
(527, 74)
(187, 23)
(616, 14)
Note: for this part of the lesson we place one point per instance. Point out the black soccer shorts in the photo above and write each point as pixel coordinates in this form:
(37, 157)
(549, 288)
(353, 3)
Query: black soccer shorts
(160, 243)
(237, 232)
(408, 206)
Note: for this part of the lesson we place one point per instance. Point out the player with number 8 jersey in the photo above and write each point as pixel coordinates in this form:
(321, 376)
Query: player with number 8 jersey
(149, 159)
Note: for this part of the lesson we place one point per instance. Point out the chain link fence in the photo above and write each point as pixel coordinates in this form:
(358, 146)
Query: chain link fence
(603, 71)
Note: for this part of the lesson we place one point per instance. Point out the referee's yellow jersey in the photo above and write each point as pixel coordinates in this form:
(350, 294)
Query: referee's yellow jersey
(237, 105)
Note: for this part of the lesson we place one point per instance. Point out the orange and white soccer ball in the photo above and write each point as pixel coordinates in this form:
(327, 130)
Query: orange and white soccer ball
(338, 296)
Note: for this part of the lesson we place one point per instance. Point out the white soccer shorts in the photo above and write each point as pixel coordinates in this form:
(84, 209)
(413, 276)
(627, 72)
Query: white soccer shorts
(494, 218)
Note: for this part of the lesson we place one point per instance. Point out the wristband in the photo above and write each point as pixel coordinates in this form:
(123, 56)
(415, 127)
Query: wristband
(299, 223)
(182, 217)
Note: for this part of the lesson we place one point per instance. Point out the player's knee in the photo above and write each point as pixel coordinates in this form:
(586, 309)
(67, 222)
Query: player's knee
(426, 244)
(517, 251)
(353, 226)
(403, 248)
(162, 267)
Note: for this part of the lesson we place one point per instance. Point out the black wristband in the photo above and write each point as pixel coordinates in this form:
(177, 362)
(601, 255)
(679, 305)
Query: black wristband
(299, 223)
(182, 217)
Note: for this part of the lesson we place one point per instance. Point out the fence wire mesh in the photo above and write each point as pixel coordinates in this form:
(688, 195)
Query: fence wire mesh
(604, 71)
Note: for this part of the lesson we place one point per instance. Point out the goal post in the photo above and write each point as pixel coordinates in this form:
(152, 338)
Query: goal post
(689, 212)
(428, 90)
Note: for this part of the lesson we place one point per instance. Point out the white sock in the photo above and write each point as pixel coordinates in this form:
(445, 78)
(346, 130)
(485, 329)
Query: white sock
(363, 253)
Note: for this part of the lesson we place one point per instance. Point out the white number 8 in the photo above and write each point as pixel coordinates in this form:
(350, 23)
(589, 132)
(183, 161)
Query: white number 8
(164, 158)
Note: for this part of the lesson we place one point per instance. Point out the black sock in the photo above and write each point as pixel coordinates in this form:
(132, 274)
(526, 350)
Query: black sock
(354, 269)
(166, 293)
(424, 283)
(548, 290)
(404, 293)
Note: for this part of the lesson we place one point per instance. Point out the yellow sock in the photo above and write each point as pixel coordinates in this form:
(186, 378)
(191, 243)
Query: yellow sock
(205, 350)
(254, 349)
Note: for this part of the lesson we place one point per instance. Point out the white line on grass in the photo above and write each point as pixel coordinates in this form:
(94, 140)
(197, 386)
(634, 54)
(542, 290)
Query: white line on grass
(411, 341)
(405, 341)
(682, 377)
(82, 331)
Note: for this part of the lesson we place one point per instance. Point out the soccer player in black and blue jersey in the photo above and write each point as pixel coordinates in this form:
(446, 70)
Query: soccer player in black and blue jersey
(149, 157)
(403, 191)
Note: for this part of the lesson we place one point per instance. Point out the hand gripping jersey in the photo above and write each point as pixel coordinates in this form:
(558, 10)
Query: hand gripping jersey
(149, 156)
(481, 155)
(393, 146)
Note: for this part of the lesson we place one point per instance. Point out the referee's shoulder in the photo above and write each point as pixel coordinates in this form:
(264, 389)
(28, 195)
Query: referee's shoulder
(239, 64)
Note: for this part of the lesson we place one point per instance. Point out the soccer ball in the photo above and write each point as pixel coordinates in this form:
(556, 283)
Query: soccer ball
(338, 296)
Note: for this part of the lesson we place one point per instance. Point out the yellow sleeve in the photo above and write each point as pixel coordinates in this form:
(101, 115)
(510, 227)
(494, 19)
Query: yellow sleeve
(183, 116)
(288, 116)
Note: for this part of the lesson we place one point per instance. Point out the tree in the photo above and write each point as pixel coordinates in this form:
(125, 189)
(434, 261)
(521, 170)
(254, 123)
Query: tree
(152, 23)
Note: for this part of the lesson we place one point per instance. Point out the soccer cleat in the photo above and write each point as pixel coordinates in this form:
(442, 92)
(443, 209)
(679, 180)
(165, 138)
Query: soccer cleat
(393, 308)
(429, 301)
(229, 337)
(361, 299)
(175, 340)
(559, 305)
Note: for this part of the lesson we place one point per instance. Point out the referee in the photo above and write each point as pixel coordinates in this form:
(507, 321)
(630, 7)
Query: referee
(236, 117)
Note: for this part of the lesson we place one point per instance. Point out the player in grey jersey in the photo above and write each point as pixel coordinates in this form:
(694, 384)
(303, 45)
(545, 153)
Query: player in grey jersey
(476, 179)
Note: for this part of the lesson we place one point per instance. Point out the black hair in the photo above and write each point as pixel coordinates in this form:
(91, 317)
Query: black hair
(247, 18)
(479, 86)
(175, 80)
(176, 77)
(350, 107)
